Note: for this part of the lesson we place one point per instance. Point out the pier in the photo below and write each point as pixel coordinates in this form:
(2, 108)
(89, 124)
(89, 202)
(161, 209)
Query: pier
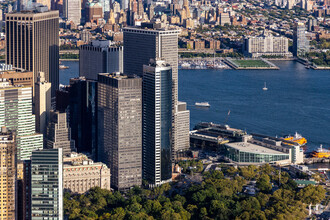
(316, 160)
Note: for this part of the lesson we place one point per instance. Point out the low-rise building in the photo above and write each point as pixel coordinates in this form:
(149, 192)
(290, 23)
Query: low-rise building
(80, 174)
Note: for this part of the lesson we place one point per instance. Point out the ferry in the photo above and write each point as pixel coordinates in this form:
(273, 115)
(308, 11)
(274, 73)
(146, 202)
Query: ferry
(321, 153)
(63, 67)
(297, 138)
(202, 104)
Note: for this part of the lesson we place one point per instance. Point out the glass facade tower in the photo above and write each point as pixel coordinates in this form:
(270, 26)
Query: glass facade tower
(46, 184)
(157, 122)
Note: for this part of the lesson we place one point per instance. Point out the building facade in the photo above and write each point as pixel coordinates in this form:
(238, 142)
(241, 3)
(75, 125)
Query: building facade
(16, 76)
(157, 122)
(59, 133)
(119, 128)
(182, 141)
(42, 105)
(72, 10)
(266, 46)
(100, 57)
(81, 175)
(16, 115)
(46, 184)
(300, 41)
(33, 45)
(83, 114)
(7, 175)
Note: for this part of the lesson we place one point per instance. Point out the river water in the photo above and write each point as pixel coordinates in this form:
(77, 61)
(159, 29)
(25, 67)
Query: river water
(298, 99)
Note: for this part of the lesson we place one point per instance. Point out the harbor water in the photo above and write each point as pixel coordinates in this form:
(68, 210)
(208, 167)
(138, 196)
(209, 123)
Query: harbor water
(297, 99)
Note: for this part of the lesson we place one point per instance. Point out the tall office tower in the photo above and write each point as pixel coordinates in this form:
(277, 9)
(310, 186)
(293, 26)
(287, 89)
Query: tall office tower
(83, 114)
(290, 4)
(100, 57)
(300, 41)
(141, 45)
(42, 103)
(182, 141)
(16, 115)
(157, 123)
(32, 44)
(46, 184)
(72, 10)
(93, 12)
(59, 133)
(7, 174)
(119, 128)
(124, 4)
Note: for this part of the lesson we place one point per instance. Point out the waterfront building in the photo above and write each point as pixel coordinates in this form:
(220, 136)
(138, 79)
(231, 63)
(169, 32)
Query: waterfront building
(42, 103)
(83, 114)
(46, 186)
(59, 133)
(7, 174)
(152, 42)
(120, 128)
(80, 175)
(72, 11)
(266, 45)
(157, 122)
(300, 41)
(100, 57)
(16, 76)
(33, 45)
(16, 115)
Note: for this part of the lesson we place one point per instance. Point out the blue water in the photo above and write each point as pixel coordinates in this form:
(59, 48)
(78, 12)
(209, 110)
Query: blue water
(298, 99)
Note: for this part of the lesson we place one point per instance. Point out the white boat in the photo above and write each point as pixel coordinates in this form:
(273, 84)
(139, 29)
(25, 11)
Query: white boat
(202, 104)
(265, 87)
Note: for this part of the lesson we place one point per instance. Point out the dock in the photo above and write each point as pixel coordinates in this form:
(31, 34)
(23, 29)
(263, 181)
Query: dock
(316, 160)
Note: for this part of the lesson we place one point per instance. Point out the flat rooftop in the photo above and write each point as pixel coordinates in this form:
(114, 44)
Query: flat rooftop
(253, 148)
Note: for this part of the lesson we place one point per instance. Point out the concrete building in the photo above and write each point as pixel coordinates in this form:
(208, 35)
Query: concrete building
(81, 175)
(100, 57)
(16, 115)
(59, 133)
(7, 175)
(47, 3)
(83, 115)
(181, 137)
(157, 123)
(93, 12)
(120, 128)
(16, 76)
(224, 18)
(42, 103)
(72, 11)
(46, 184)
(266, 45)
(300, 41)
(32, 44)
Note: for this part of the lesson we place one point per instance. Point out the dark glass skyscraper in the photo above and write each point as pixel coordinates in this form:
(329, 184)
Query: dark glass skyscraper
(83, 114)
(157, 122)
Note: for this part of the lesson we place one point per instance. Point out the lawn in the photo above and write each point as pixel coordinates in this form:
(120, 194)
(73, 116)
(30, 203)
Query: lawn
(250, 63)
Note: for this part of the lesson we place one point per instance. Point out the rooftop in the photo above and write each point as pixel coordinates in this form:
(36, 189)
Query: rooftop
(253, 148)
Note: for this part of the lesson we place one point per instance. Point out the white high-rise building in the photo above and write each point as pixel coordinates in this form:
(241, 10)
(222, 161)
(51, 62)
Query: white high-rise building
(42, 103)
(72, 10)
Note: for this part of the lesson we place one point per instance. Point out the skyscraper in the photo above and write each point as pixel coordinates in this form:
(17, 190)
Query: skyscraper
(7, 174)
(83, 114)
(182, 141)
(32, 43)
(46, 184)
(59, 133)
(119, 128)
(42, 103)
(300, 41)
(72, 10)
(100, 57)
(141, 45)
(157, 122)
(16, 115)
